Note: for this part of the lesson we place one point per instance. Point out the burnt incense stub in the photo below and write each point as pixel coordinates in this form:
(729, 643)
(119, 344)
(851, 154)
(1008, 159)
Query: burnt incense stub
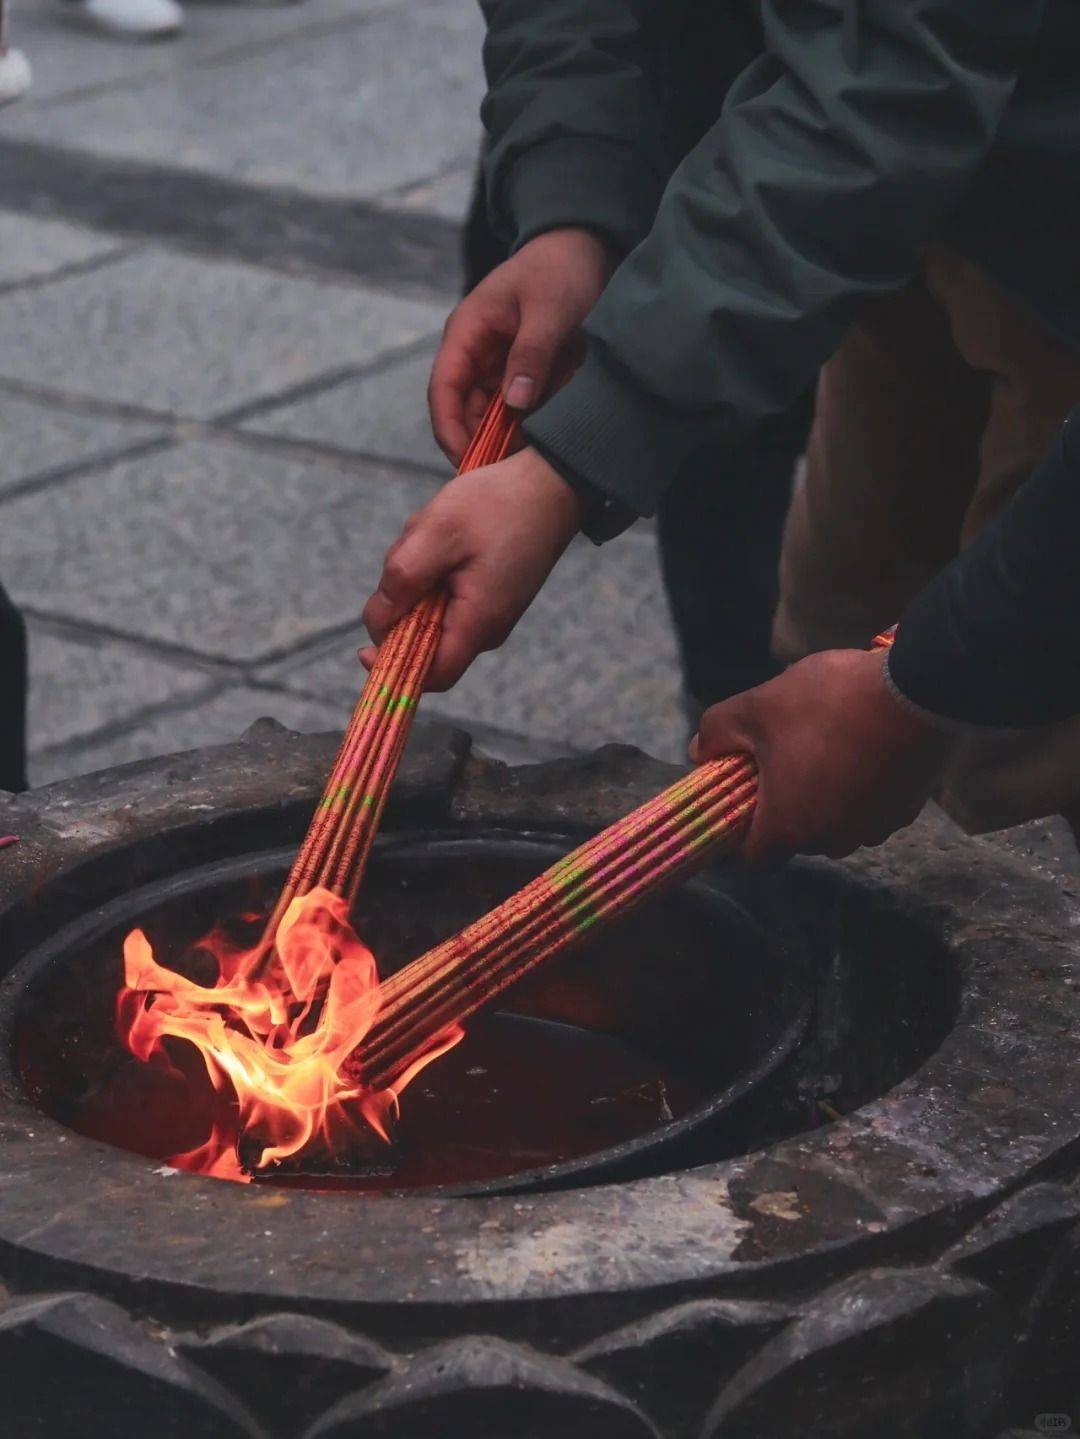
(790, 1153)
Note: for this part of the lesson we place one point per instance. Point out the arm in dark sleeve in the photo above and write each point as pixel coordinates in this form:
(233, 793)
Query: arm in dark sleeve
(836, 157)
(574, 127)
(995, 638)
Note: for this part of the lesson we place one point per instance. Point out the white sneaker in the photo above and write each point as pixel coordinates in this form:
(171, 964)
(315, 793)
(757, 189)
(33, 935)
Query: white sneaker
(14, 76)
(135, 19)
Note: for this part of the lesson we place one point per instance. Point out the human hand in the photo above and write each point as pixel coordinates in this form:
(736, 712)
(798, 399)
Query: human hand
(518, 330)
(840, 762)
(491, 537)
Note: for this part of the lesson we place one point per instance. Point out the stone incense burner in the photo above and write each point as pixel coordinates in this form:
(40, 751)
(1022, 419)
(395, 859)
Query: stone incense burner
(867, 1222)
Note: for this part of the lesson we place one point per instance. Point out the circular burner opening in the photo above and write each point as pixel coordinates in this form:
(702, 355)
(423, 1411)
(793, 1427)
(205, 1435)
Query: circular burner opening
(688, 1033)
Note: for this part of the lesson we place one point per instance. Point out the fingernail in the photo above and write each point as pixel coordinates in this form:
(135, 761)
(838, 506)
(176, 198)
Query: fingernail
(519, 392)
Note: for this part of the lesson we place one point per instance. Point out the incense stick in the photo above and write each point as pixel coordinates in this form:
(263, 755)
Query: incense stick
(626, 864)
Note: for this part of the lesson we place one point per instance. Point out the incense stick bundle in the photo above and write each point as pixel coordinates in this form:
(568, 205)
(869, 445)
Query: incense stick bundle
(602, 880)
(336, 848)
(696, 818)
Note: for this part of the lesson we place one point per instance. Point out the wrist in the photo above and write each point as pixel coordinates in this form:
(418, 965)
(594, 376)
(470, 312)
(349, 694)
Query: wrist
(602, 517)
(557, 494)
(588, 246)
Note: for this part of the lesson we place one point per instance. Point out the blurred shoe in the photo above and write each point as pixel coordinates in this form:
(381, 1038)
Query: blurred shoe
(14, 76)
(133, 19)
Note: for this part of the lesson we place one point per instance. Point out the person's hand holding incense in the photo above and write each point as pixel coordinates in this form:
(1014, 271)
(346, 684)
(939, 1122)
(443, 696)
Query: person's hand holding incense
(518, 329)
(841, 763)
(491, 537)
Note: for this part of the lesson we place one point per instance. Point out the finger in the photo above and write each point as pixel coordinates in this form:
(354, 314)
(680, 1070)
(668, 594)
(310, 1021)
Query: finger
(463, 359)
(412, 569)
(476, 408)
(759, 848)
(366, 655)
(531, 360)
(469, 628)
(724, 730)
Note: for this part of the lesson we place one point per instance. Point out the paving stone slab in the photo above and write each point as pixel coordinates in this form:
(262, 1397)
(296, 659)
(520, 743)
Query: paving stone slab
(31, 249)
(36, 439)
(185, 336)
(593, 660)
(213, 721)
(448, 195)
(348, 112)
(227, 552)
(68, 58)
(382, 414)
(78, 686)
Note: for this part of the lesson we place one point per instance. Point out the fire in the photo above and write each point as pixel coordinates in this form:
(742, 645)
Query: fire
(275, 1038)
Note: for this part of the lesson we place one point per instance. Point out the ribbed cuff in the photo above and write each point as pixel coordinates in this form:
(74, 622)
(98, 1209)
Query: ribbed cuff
(605, 429)
(590, 184)
(928, 717)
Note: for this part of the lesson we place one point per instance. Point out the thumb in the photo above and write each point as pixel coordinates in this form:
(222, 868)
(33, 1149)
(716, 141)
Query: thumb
(530, 362)
(725, 729)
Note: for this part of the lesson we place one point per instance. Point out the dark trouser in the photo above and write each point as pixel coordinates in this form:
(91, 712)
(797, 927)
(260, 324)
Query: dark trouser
(720, 527)
(938, 405)
(12, 696)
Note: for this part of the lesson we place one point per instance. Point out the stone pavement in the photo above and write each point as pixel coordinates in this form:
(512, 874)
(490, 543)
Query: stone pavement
(224, 263)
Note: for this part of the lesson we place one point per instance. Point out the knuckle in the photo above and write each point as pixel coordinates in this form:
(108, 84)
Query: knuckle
(456, 315)
(396, 573)
(715, 730)
(531, 354)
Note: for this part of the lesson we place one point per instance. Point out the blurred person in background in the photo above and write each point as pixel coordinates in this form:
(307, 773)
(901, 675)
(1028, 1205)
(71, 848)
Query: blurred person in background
(14, 67)
(135, 19)
(128, 19)
(14, 80)
(13, 689)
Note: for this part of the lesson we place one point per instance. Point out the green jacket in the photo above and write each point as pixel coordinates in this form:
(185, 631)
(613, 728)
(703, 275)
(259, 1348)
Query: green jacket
(758, 210)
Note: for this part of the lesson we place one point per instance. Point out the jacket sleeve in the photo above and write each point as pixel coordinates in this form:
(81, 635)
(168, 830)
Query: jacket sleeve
(836, 157)
(993, 639)
(575, 133)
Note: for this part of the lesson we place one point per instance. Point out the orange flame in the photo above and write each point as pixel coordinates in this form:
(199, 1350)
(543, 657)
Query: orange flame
(275, 1040)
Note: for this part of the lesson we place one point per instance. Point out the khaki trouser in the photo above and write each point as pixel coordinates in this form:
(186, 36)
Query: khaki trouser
(938, 405)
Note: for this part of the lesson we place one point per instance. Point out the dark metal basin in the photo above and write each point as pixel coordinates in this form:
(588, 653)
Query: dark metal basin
(692, 983)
